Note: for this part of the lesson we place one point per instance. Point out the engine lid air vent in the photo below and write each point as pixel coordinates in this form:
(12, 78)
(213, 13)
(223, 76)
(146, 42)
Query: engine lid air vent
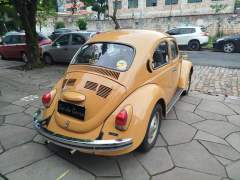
(103, 91)
(71, 82)
(106, 72)
(91, 85)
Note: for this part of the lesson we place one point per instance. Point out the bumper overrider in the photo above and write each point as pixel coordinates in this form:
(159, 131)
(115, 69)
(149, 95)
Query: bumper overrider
(79, 144)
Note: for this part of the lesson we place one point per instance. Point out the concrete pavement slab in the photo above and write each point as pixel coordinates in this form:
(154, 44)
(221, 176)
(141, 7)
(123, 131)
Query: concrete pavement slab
(53, 167)
(22, 156)
(20, 119)
(201, 135)
(11, 109)
(184, 174)
(188, 117)
(215, 107)
(234, 140)
(131, 168)
(194, 156)
(235, 119)
(217, 128)
(233, 170)
(221, 150)
(11, 136)
(177, 132)
(156, 161)
(210, 115)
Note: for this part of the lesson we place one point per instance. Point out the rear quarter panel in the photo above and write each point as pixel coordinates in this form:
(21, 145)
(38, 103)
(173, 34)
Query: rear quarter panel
(186, 69)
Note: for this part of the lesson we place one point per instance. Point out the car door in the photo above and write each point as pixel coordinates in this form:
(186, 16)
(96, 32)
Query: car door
(162, 69)
(77, 40)
(59, 49)
(175, 62)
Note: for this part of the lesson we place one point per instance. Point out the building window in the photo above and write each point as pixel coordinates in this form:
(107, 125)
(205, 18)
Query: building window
(170, 2)
(150, 3)
(118, 4)
(194, 1)
(132, 4)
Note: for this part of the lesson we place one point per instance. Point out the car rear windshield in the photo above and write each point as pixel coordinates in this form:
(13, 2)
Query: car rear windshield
(110, 55)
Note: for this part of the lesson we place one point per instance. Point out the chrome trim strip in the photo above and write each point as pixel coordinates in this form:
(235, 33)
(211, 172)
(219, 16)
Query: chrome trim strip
(78, 144)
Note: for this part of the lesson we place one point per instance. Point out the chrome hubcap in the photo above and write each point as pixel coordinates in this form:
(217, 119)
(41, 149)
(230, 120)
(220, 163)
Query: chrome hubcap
(228, 47)
(153, 129)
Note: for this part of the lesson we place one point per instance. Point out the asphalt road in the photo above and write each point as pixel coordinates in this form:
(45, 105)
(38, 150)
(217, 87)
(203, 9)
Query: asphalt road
(214, 58)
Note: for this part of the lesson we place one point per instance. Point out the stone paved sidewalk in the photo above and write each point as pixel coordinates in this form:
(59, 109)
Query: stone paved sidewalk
(216, 80)
(199, 140)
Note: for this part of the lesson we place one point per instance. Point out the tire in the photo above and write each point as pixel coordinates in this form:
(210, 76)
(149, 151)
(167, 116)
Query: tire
(154, 124)
(185, 92)
(229, 47)
(24, 57)
(47, 59)
(194, 45)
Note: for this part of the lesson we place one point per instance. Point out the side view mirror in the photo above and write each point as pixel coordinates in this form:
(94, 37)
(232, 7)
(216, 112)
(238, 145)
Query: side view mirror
(149, 66)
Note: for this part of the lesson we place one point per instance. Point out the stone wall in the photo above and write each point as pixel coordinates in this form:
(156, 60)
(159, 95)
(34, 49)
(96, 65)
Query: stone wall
(230, 23)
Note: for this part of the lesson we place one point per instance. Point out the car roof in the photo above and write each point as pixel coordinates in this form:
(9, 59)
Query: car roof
(14, 33)
(131, 37)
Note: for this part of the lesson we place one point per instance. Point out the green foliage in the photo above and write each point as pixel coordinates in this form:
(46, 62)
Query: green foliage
(45, 10)
(100, 6)
(59, 24)
(218, 7)
(82, 23)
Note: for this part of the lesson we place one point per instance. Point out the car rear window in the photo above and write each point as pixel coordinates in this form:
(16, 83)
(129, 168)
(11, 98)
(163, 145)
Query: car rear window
(203, 29)
(110, 55)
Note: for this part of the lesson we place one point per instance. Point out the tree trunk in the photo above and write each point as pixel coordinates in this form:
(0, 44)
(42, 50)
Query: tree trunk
(98, 15)
(114, 16)
(27, 11)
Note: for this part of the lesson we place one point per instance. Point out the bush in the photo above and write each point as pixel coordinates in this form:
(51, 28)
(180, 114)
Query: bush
(82, 24)
(59, 24)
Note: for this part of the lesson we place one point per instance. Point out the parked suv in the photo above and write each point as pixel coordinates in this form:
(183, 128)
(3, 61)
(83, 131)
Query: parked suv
(13, 45)
(194, 37)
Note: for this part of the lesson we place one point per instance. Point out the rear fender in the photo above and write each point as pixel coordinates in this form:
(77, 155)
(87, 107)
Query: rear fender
(186, 71)
(142, 101)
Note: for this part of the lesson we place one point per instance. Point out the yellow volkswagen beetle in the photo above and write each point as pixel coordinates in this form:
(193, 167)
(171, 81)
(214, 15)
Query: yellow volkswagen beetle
(115, 92)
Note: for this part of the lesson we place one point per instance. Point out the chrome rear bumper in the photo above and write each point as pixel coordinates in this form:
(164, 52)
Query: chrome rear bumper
(79, 144)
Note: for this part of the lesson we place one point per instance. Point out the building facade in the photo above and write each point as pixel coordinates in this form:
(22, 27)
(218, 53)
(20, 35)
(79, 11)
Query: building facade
(167, 8)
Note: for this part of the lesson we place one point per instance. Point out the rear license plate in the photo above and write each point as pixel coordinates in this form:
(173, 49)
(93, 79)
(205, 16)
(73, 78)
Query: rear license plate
(71, 110)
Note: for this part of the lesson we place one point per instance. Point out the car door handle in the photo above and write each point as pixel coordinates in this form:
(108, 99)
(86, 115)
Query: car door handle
(174, 69)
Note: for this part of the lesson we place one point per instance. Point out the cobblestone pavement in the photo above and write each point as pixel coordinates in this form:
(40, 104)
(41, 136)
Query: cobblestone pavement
(199, 140)
(216, 80)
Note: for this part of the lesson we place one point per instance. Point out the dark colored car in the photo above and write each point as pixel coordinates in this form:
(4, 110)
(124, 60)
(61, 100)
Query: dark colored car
(63, 48)
(13, 45)
(58, 32)
(228, 44)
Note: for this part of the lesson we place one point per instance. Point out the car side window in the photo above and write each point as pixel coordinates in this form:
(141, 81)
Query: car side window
(62, 41)
(174, 49)
(77, 39)
(187, 30)
(173, 32)
(160, 55)
(16, 39)
(7, 40)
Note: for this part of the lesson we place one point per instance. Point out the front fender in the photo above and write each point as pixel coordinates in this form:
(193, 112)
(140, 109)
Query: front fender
(142, 101)
(186, 70)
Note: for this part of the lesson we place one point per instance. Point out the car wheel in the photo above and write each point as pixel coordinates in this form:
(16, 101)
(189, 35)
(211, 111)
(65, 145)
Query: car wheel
(48, 59)
(194, 45)
(152, 130)
(228, 47)
(24, 57)
(185, 92)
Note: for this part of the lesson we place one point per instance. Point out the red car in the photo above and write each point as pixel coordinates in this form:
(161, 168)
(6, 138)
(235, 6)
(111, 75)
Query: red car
(13, 45)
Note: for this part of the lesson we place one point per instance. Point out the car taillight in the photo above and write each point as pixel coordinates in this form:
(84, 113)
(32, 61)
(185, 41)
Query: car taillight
(121, 120)
(48, 97)
(204, 34)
